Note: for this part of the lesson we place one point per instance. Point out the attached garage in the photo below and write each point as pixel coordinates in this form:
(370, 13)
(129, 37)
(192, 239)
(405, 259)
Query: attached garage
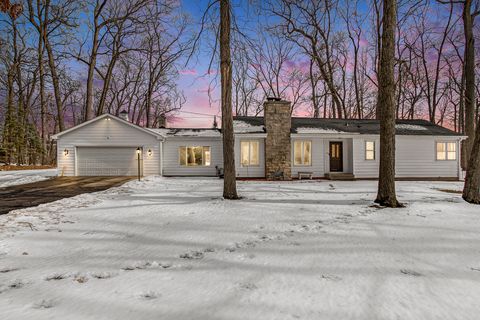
(107, 146)
(107, 161)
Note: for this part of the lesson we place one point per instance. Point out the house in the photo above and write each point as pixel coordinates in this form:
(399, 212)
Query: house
(275, 146)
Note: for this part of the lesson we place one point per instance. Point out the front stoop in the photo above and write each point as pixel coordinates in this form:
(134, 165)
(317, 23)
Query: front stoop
(340, 176)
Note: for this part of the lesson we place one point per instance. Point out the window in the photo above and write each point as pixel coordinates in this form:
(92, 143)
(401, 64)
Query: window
(446, 151)
(369, 150)
(194, 156)
(302, 153)
(249, 153)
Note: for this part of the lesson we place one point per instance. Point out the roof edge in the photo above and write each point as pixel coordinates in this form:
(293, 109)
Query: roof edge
(106, 115)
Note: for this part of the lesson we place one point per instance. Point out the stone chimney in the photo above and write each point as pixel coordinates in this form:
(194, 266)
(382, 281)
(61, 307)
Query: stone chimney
(278, 123)
(162, 121)
(124, 115)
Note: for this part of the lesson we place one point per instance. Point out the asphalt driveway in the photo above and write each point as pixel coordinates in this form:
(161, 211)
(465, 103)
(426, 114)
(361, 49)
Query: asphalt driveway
(33, 194)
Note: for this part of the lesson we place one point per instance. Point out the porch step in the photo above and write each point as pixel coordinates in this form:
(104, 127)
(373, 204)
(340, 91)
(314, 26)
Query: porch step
(340, 176)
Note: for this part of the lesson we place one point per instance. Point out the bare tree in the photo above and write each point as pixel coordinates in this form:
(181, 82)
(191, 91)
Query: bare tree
(229, 180)
(386, 195)
(309, 25)
(105, 13)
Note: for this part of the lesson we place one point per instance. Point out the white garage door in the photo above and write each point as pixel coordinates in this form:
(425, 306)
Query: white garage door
(107, 161)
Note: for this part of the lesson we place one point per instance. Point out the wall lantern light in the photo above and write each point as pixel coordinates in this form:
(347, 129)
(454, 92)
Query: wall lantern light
(65, 152)
(149, 152)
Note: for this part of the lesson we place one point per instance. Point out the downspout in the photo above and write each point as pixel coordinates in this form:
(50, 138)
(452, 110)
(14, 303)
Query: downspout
(161, 158)
(459, 160)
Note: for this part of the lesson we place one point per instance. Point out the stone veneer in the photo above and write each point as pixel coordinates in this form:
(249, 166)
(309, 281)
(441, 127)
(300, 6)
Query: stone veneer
(278, 123)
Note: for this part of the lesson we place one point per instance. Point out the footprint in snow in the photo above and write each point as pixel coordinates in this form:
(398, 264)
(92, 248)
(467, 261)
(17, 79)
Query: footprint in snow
(145, 265)
(102, 275)
(8, 269)
(331, 277)
(247, 286)
(192, 255)
(14, 284)
(149, 295)
(55, 276)
(43, 304)
(410, 272)
(80, 278)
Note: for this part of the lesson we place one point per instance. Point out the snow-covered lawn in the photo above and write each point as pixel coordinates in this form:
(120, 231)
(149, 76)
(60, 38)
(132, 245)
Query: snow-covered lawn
(12, 178)
(172, 249)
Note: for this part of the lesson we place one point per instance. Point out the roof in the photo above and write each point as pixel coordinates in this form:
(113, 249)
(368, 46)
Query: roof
(106, 115)
(188, 132)
(345, 126)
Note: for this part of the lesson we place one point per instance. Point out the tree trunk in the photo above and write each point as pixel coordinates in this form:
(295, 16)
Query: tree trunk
(469, 69)
(91, 71)
(471, 189)
(229, 182)
(471, 147)
(386, 106)
(313, 83)
(43, 103)
(106, 86)
(56, 84)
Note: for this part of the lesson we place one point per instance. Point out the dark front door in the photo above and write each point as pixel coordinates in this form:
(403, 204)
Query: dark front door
(336, 156)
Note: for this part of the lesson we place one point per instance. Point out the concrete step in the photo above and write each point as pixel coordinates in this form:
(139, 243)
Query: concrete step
(340, 176)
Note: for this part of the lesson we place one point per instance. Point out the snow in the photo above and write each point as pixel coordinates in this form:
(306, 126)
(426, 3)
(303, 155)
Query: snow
(171, 248)
(244, 127)
(317, 130)
(197, 133)
(413, 127)
(11, 178)
(187, 132)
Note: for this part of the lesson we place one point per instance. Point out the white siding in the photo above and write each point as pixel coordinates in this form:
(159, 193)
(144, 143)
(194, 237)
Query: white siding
(251, 171)
(318, 158)
(171, 161)
(415, 158)
(365, 168)
(107, 133)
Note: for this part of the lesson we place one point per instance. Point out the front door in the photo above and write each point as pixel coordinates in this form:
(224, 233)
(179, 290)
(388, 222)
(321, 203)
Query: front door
(336, 156)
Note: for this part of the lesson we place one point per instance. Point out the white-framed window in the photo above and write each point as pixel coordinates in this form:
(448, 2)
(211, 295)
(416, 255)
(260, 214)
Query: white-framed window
(249, 153)
(302, 153)
(194, 156)
(446, 151)
(369, 150)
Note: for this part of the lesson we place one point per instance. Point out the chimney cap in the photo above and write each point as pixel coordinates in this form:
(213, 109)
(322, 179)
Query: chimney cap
(274, 99)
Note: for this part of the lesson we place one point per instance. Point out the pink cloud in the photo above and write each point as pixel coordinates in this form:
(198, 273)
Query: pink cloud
(188, 72)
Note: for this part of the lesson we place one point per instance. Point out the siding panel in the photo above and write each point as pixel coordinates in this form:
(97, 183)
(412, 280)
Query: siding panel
(415, 157)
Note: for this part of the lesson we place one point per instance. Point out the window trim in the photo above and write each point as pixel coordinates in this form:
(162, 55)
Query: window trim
(186, 165)
(303, 151)
(445, 143)
(374, 150)
(249, 153)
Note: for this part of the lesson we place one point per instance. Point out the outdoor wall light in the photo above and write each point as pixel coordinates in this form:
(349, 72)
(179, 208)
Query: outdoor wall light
(149, 152)
(139, 150)
(65, 152)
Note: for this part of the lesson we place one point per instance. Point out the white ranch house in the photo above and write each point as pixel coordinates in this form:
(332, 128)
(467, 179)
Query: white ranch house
(274, 147)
